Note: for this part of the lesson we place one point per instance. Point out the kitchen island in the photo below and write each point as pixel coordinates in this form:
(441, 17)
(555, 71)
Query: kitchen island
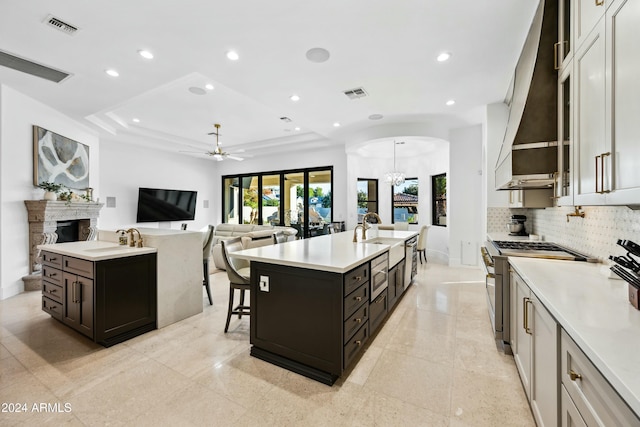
(314, 301)
(102, 290)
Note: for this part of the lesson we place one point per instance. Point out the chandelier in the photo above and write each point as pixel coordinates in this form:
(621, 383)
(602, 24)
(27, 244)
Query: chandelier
(395, 177)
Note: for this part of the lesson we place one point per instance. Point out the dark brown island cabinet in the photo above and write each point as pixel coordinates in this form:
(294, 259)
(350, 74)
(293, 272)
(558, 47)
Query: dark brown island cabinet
(109, 301)
(316, 323)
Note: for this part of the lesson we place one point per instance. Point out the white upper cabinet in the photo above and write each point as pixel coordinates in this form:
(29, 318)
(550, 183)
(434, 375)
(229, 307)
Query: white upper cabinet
(587, 13)
(563, 49)
(605, 136)
(623, 103)
(591, 163)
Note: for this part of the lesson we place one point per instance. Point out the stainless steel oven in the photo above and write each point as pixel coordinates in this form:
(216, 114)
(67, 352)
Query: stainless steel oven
(495, 257)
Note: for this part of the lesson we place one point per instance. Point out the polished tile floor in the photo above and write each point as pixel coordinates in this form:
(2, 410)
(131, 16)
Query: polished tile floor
(433, 363)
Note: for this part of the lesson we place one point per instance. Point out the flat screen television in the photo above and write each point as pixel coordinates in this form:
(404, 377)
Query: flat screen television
(156, 205)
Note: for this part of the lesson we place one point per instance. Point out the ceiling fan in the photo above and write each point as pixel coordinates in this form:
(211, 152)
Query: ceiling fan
(218, 153)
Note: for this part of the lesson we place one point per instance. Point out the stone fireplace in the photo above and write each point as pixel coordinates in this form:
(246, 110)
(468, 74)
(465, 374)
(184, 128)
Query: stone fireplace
(46, 216)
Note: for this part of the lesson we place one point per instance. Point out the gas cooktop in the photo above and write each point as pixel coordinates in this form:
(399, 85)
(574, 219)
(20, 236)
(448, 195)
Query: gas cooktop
(538, 250)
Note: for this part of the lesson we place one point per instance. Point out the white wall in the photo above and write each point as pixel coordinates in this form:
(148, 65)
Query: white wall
(465, 197)
(126, 167)
(18, 113)
(422, 167)
(334, 156)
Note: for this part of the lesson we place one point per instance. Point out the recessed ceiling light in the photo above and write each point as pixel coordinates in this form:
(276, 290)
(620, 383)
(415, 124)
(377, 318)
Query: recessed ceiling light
(297, 128)
(318, 54)
(209, 86)
(294, 98)
(136, 120)
(145, 54)
(444, 56)
(233, 55)
(336, 124)
(375, 116)
(112, 72)
(451, 102)
(197, 90)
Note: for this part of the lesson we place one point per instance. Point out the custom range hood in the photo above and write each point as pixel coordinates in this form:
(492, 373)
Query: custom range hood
(528, 157)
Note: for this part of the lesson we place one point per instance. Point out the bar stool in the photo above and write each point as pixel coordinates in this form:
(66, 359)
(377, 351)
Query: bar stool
(238, 273)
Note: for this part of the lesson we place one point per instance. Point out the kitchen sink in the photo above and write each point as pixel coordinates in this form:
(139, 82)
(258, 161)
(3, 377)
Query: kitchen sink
(396, 250)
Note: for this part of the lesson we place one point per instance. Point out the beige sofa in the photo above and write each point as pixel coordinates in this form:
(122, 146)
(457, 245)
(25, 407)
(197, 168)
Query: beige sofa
(251, 235)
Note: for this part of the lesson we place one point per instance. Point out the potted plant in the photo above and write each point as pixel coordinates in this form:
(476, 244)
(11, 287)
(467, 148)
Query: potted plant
(51, 190)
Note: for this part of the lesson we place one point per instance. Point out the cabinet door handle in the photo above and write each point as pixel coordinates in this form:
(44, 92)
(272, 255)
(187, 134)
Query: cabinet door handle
(599, 2)
(574, 375)
(596, 172)
(556, 61)
(73, 291)
(525, 311)
(602, 156)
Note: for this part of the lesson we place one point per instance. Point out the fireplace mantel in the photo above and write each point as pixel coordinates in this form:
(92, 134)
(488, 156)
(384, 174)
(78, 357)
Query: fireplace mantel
(44, 215)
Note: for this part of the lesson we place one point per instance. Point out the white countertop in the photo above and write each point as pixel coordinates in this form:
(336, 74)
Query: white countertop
(332, 252)
(595, 312)
(95, 250)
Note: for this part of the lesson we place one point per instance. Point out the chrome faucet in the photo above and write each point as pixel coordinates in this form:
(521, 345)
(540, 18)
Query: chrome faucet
(132, 242)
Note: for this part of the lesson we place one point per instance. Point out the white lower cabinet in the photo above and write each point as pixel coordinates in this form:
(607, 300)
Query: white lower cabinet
(535, 349)
(590, 400)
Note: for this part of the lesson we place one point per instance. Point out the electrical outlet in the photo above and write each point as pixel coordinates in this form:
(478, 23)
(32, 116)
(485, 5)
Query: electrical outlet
(264, 283)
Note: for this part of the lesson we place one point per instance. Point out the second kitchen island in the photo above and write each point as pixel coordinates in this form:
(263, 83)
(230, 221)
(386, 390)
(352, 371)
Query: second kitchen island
(315, 302)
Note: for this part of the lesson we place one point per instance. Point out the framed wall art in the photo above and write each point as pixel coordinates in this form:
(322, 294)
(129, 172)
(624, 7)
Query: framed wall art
(59, 159)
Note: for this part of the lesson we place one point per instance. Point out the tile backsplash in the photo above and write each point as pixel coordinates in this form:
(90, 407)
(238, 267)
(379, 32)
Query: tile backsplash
(595, 234)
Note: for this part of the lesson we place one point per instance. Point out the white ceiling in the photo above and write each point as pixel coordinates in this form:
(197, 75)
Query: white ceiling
(387, 47)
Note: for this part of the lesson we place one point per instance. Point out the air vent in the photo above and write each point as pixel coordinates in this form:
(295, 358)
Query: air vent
(58, 24)
(355, 93)
(285, 119)
(19, 64)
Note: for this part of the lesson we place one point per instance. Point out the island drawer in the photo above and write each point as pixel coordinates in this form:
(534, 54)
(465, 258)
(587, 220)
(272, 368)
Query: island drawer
(51, 290)
(591, 393)
(355, 278)
(353, 323)
(379, 308)
(52, 275)
(78, 266)
(49, 258)
(355, 344)
(54, 308)
(355, 300)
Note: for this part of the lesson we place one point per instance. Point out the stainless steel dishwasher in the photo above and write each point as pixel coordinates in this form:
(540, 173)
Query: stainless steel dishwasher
(410, 260)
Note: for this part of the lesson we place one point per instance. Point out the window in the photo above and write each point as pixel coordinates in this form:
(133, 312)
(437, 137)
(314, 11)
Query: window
(405, 201)
(278, 198)
(439, 202)
(367, 197)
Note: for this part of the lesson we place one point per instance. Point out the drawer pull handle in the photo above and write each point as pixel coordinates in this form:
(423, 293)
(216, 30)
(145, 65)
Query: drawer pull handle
(51, 274)
(357, 298)
(358, 320)
(574, 375)
(52, 291)
(357, 278)
(599, 2)
(358, 342)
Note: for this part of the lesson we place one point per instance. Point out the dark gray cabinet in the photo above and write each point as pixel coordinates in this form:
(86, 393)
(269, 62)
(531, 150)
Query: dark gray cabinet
(314, 322)
(109, 301)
